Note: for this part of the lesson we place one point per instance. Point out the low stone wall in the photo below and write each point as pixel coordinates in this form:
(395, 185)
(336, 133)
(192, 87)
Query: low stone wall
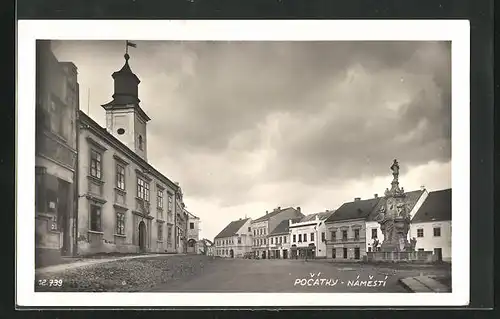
(402, 256)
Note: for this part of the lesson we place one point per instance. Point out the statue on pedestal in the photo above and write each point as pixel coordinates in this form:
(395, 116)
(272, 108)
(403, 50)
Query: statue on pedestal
(394, 216)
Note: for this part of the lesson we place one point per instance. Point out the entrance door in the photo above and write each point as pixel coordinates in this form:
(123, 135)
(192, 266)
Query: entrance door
(334, 253)
(264, 254)
(285, 254)
(439, 254)
(142, 236)
(62, 215)
(356, 253)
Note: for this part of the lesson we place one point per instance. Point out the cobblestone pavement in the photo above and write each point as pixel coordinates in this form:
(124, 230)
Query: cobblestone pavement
(237, 275)
(126, 274)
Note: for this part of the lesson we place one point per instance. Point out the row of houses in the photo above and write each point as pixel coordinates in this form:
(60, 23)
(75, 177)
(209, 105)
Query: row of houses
(347, 233)
(96, 191)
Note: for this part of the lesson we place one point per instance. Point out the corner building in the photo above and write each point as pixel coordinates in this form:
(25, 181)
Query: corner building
(124, 203)
(57, 106)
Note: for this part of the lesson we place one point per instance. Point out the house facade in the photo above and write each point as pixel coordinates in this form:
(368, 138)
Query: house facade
(205, 247)
(279, 240)
(264, 225)
(124, 203)
(431, 225)
(374, 236)
(193, 233)
(57, 105)
(235, 240)
(308, 236)
(347, 229)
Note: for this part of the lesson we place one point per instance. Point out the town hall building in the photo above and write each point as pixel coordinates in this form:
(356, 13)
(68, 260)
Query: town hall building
(124, 203)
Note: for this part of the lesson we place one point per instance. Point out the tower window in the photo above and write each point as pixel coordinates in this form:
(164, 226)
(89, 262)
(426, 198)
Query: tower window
(121, 131)
(140, 142)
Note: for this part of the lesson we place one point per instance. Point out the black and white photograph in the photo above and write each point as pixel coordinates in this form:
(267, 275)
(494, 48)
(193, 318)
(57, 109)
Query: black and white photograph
(200, 162)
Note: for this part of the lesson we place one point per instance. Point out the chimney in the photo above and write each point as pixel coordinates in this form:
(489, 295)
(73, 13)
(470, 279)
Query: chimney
(298, 209)
(422, 188)
(375, 195)
(356, 199)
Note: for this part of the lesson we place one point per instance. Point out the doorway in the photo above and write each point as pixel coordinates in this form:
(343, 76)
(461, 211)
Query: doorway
(142, 237)
(264, 255)
(334, 253)
(356, 253)
(62, 215)
(345, 252)
(231, 253)
(439, 254)
(285, 254)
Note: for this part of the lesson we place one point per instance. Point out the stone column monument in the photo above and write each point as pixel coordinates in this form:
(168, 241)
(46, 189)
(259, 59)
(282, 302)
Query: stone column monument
(394, 216)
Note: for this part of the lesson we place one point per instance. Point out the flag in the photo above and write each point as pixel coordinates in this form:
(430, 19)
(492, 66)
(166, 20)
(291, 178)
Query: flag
(131, 44)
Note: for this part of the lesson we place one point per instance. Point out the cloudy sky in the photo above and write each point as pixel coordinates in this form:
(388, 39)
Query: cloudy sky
(245, 127)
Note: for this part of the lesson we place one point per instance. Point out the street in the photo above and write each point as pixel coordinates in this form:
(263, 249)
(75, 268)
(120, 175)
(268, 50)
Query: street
(244, 275)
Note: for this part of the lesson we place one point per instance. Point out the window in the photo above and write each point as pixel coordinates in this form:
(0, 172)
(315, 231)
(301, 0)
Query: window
(369, 249)
(323, 237)
(254, 233)
(271, 240)
(294, 238)
(120, 176)
(191, 225)
(170, 202)
(95, 164)
(280, 240)
(312, 236)
(437, 231)
(140, 142)
(356, 234)
(344, 235)
(120, 223)
(142, 189)
(333, 235)
(95, 218)
(420, 232)
(160, 199)
(374, 233)
(160, 231)
(250, 229)
(169, 233)
(239, 240)
(284, 239)
(344, 250)
(305, 237)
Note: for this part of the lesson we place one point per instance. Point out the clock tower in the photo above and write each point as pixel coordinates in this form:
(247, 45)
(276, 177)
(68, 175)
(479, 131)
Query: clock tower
(125, 119)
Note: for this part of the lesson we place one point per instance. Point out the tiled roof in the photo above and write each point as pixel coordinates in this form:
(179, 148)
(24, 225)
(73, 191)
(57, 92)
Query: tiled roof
(354, 210)
(271, 214)
(283, 226)
(411, 199)
(232, 228)
(321, 216)
(436, 207)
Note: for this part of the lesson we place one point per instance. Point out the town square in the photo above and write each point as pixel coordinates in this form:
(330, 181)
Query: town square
(181, 175)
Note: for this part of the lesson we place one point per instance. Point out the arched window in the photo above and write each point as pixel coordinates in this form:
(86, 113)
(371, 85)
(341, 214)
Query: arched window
(140, 142)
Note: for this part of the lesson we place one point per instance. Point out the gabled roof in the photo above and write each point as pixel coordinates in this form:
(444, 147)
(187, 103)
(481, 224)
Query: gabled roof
(282, 227)
(321, 216)
(232, 228)
(271, 214)
(411, 199)
(436, 207)
(359, 209)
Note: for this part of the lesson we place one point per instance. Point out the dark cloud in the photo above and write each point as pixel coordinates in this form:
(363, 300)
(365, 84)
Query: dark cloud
(228, 116)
